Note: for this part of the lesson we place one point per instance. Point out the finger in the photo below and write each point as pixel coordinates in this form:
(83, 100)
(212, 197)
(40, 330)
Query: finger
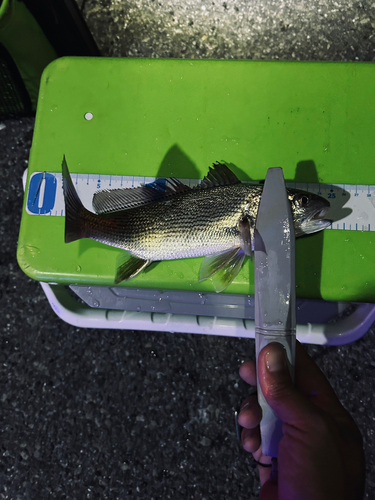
(248, 402)
(250, 413)
(278, 388)
(264, 472)
(250, 439)
(309, 378)
(270, 489)
(311, 382)
(248, 372)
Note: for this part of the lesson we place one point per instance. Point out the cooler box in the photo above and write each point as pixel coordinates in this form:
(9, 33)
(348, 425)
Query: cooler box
(126, 121)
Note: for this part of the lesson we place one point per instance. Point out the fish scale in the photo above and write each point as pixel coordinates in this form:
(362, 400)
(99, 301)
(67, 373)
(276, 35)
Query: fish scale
(201, 224)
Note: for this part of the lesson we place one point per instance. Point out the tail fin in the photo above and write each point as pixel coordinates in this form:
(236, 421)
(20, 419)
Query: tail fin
(75, 212)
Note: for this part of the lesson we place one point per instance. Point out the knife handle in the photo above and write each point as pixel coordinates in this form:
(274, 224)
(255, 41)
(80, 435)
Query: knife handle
(270, 425)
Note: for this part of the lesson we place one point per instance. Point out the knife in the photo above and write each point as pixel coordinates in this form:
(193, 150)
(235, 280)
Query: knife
(275, 298)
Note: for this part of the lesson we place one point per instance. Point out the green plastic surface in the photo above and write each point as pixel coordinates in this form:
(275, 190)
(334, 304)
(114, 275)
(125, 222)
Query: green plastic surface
(175, 118)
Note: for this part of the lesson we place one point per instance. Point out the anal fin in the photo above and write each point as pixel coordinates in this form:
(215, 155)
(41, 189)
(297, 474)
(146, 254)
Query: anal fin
(129, 266)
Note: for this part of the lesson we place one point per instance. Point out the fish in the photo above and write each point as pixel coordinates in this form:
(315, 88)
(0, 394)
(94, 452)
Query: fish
(168, 220)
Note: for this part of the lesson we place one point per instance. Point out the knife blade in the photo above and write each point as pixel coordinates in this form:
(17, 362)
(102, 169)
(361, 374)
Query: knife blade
(275, 299)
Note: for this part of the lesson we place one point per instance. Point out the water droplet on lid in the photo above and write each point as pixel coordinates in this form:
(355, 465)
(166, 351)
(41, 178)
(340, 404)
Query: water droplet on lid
(33, 250)
(202, 298)
(96, 303)
(89, 116)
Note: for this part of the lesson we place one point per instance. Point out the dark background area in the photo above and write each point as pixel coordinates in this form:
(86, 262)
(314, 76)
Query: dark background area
(124, 414)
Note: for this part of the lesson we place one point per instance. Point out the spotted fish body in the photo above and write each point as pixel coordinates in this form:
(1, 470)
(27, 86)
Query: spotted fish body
(168, 221)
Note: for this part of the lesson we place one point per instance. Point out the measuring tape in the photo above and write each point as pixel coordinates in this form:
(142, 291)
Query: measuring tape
(352, 206)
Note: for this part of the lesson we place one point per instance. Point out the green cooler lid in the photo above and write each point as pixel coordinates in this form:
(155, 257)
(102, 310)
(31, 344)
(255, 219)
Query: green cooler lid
(154, 117)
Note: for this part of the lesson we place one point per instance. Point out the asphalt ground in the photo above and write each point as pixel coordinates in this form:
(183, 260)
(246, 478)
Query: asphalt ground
(109, 414)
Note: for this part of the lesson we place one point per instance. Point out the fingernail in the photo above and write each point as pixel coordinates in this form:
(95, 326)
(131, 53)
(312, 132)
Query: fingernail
(276, 358)
(245, 406)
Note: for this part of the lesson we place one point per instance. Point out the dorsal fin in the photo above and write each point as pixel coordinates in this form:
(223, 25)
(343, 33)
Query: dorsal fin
(219, 175)
(113, 200)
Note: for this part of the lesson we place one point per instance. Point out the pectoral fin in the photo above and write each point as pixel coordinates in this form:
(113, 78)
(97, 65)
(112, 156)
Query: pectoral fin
(245, 236)
(222, 267)
(129, 266)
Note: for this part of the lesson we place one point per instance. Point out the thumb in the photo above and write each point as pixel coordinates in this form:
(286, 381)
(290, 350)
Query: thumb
(278, 388)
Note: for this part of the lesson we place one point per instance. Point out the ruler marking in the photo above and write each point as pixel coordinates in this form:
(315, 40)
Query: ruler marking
(354, 213)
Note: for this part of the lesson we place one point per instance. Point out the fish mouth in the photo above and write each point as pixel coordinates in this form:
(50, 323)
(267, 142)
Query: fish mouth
(314, 222)
(319, 214)
(318, 220)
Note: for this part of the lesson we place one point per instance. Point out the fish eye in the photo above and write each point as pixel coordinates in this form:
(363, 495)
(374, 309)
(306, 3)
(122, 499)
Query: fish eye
(302, 200)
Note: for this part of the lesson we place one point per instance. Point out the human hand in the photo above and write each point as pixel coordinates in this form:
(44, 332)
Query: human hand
(321, 455)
